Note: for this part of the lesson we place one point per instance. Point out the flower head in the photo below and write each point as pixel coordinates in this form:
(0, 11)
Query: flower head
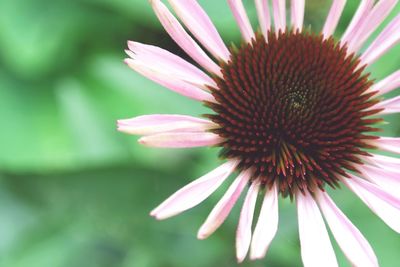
(293, 112)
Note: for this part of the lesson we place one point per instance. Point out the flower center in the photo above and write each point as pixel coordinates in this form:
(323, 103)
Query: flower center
(294, 109)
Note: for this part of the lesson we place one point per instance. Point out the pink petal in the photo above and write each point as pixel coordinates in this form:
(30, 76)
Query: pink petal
(181, 139)
(267, 224)
(389, 163)
(182, 38)
(354, 245)
(200, 25)
(162, 60)
(264, 17)
(363, 10)
(382, 203)
(333, 17)
(377, 190)
(369, 23)
(389, 37)
(385, 178)
(388, 84)
(391, 144)
(390, 106)
(161, 123)
(297, 14)
(194, 193)
(241, 19)
(279, 9)
(243, 233)
(169, 81)
(224, 206)
(316, 248)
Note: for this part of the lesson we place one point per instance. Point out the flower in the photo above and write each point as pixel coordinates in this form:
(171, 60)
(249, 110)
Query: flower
(293, 113)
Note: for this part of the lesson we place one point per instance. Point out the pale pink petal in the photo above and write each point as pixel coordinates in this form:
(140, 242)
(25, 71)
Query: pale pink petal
(169, 81)
(297, 14)
(363, 10)
(391, 144)
(388, 84)
(264, 18)
(243, 233)
(389, 37)
(386, 178)
(391, 105)
(200, 25)
(183, 39)
(194, 193)
(385, 162)
(224, 206)
(354, 245)
(267, 224)
(333, 17)
(369, 23)
(163, 60)
(372, 188)
(316, 248)
(242, 20)
(181, 139)
(382, 203)
(279, 9)
(161, 123)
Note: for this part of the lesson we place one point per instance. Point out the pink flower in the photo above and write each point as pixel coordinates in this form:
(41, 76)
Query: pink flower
(293, 114)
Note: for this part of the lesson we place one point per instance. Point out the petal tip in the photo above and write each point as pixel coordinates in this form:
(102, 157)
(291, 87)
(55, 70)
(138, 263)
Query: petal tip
(131, 44)
(202, 234)
(257, 254)
(254, 257)
(156, 215)
(127, 61)
(153, 213)
(120, 122)
(240, 259)
(142, 141)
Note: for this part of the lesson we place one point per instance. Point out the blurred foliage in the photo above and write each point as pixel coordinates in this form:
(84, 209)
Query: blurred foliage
(73, 191)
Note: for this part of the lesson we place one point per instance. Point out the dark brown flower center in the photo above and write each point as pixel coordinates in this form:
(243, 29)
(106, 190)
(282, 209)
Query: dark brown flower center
(293, 109)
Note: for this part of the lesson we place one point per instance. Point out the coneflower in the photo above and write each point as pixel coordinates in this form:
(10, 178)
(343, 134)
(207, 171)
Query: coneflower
(293, 112)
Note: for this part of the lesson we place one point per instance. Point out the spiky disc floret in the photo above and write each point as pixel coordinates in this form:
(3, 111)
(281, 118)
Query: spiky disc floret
(293, 109)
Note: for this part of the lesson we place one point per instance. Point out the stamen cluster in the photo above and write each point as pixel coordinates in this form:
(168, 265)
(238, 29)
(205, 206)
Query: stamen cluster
(293, 107)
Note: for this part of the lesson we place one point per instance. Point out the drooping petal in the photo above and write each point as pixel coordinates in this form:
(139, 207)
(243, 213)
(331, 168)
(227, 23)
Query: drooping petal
(388, 84)
(161, 123)
(182, 38)
(391, 144)
(224, 206)
(243, 233)
(242, 20)
(385, 162)
(267, 224)
(297, 14)
(200, 25)
(333, 17)
(181, 139)
(389, 37)
(316, 248)
(391, 105)
(354, 245)
(279, 9)
(169, 81)
(369, 23)
(164, 60)
(264, 17)
(386, 178)
(194, 193)
(382, 203)
(363, 10)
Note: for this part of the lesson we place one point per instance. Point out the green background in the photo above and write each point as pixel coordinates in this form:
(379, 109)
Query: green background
(74, 191)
